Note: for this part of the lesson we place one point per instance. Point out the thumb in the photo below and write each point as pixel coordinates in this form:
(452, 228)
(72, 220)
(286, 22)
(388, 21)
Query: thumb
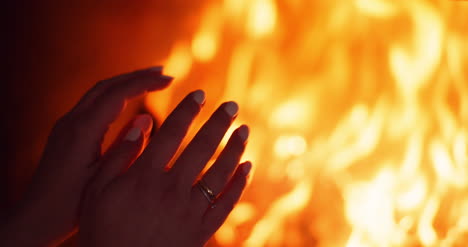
(124, 151)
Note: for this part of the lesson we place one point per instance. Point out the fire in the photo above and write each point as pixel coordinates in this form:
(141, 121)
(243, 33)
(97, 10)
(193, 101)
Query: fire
(358, 111)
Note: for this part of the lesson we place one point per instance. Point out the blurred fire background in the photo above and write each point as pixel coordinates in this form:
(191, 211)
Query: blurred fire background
(358, 109)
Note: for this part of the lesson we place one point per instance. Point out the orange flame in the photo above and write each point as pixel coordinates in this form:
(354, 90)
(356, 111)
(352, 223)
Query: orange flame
(358, 111)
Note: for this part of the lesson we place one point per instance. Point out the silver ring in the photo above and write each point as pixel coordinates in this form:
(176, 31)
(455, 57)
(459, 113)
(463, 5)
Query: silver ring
(206, 191)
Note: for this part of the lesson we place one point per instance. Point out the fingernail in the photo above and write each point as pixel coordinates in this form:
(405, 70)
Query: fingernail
(246, 168)
(133, 134)
(199, 97)
(144, 122)
(156, 69)
(166, 78)
(231, 108)
(243, 132)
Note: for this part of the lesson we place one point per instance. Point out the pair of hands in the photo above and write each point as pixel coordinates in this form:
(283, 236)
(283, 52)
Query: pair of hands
(128, 196)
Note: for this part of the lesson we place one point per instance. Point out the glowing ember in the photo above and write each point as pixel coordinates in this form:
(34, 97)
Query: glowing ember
(359, 117)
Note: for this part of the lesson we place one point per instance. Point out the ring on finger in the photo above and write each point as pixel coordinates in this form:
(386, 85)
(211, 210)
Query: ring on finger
(206, 191)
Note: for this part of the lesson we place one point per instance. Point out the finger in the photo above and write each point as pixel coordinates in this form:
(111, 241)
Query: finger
(221, 171)
(124, 151)
(216, 215)
(111, 102)
(88, 99)
(167, 139)
(86, 125)
(199, 151)
(143, 121)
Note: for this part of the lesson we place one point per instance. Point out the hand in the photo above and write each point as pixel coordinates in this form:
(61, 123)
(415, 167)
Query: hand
(150, 204)
(50, 209)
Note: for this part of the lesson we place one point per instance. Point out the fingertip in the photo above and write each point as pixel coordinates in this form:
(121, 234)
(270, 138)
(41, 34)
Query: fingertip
(199, 97)
(144, 122)
(133, 134)
(165, 80)
(243, 132)
(156, 69)
(246, 167)
(245, 172)
(231, 108)
(161, 81)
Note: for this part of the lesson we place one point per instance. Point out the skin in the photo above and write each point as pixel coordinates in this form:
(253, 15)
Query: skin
(128, 196)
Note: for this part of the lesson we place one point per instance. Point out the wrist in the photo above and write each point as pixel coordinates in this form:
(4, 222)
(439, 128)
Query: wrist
(29, 226)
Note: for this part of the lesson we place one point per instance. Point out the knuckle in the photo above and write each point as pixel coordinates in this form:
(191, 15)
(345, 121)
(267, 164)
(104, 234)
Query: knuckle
(63, 123)
(100, 84)
(64, 128)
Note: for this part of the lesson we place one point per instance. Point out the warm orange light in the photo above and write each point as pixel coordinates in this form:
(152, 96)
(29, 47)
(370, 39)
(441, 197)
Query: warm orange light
(287, 146)
(179, 62)
(261, 18)
(204, 46)
(358, 113)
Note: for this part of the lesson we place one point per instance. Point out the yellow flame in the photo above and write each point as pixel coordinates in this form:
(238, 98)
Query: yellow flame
(287, 146)
(262, 18)
(363, 104)
(179, 62)
(292, 114)
(205, 42)
(204, 46)
(377, 8)
(284, 206)
(413, 63)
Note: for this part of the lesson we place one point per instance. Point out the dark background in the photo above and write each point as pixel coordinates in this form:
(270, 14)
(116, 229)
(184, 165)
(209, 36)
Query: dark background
(56, 50)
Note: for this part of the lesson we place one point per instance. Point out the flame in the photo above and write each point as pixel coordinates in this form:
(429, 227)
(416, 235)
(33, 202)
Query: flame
(261, 18)
(358, 111)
